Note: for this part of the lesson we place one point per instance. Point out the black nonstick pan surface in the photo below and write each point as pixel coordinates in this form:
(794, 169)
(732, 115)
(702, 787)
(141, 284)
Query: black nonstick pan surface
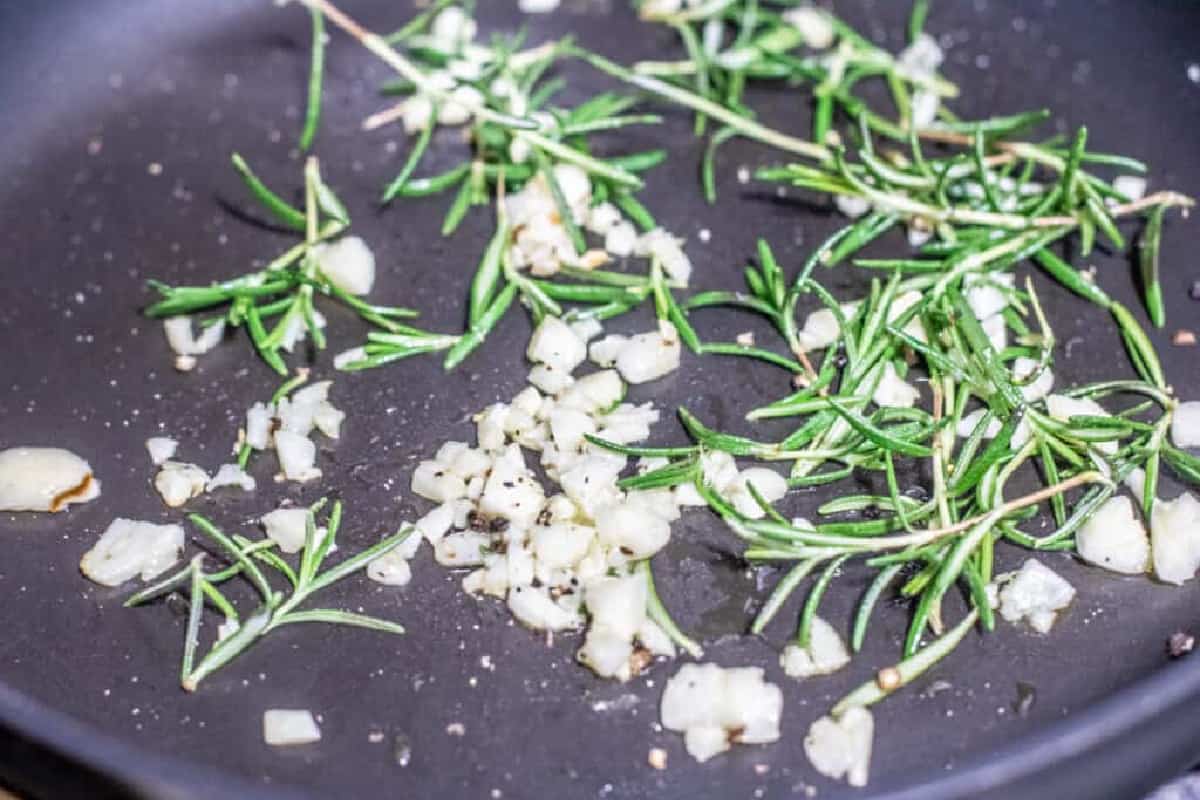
(93, 93)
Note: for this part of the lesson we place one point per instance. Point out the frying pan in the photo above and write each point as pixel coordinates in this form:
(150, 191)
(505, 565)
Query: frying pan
(95, 92)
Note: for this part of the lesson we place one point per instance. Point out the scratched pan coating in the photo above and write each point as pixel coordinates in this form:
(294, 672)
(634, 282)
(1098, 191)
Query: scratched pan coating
(94, 92)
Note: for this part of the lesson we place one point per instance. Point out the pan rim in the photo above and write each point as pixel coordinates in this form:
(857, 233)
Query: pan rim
(1084, 732)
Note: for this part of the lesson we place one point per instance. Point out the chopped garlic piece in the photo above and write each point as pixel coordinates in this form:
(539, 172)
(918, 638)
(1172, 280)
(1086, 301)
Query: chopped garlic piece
(1175, 538)
(463, 549)
(667, 250)
(129, 548)
(922, 57)
(1040, 386)
(452, 27)
(767, 482)
(1185, 424)
(621, 239)
(1062, 407)
(182, 340)
(646, 356)
(924, 108)
(633, 529)
(996, 330)
(391, 568)
(599, 391)
(618, 610)
(1036, 594)
(538, 6)
(969, 422)
(161, 448)
(826, 653)
(348, 263)
(815, 28)
(297, 456)
(851, 205)
(286, 527)
(893, 391)
(1132, 186)
(1114, 538)
(554, 343)
(284, 727)
(44, 479)
(821, 328)
(841, 747)
(346, 358)
(512, 491)
(178, 482)
(231, 475)
(602, 218)
(987, 295)
(534, 608)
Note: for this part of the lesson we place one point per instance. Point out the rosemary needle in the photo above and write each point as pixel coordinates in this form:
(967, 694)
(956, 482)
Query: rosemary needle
(312, 115)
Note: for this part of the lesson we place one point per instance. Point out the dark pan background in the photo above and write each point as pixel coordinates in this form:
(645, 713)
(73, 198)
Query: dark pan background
(183, 84)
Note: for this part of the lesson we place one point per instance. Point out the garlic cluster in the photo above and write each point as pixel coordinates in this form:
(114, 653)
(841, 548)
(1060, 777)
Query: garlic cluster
(179, 481)
(540, 242)
(1116, 538)
(451, 33)
(542, 245)
(714, 707)
(559, 554)
(721, 474)
(286, 427)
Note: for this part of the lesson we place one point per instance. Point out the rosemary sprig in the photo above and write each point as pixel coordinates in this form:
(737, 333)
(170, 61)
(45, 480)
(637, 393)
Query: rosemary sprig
(979, 214)
(500, 89)
(285, 289)
(733, 44)
(945, 533)
(276, 607)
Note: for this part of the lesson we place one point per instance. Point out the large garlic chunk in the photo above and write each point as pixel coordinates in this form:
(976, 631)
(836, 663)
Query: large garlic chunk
(713, 707)
(284, 727)
(348, 263)
(1114, 538)
(44, 479)
(641, 358)
(1175, 538)
(128, 548)
(287, 527)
